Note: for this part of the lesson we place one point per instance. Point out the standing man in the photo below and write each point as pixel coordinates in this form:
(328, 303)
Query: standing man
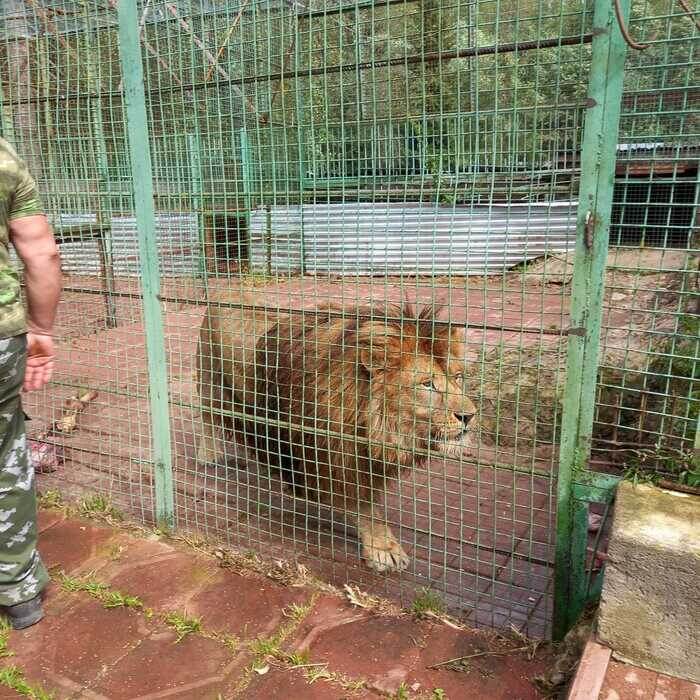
(26, 363)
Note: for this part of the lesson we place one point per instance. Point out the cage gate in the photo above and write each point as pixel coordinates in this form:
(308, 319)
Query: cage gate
(218, 174)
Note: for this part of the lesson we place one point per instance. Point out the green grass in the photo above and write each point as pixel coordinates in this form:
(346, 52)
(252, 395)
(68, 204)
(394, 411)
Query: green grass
(401, 693)
(318, 673)
(651, 467)
(265, 646)
(427, 601)
(87, 584)
(230, 641)
(5, 628)
(100, 591)
(117, 599)
(183, 625)
(297, 612)
(98, 505)
(298, 658)
(51, 499)
(13, 677)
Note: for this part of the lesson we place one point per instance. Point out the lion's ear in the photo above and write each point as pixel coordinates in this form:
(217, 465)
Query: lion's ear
(380, 346)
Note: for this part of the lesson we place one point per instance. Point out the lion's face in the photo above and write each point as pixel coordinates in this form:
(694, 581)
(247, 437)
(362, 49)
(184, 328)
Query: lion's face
(420, 382)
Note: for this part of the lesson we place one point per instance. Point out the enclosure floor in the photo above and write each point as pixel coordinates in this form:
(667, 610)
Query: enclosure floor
(479, 536)
(249, 627)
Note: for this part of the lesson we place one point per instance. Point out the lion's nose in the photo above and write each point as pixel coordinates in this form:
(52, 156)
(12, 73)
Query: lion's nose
(465, 417)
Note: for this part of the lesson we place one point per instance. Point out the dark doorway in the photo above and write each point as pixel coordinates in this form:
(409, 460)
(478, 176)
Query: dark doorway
(654, 212)
(226, 242)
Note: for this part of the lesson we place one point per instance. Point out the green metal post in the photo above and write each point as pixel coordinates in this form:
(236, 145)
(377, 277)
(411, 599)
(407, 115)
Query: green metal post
(593, 220)
(142, 176)
(194, 151)
(104, 217)
(42, 60)
(7, 130)
(301, 141)
(246, 181)
(268, 238)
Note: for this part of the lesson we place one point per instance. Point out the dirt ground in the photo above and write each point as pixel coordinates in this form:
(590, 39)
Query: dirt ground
(480, 531)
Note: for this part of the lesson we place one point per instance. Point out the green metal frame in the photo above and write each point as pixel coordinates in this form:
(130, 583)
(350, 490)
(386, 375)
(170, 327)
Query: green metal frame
(576, 485)
(194, 151)
(142, 176)
(246, 183)
(488, 130)
(104, 239)
(6, 125)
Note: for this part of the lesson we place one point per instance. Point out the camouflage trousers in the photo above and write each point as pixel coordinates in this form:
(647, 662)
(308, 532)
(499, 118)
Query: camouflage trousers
(22, 573)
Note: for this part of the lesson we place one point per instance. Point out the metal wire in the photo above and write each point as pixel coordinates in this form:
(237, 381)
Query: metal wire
(625, 32)
(689, 11)
(351, 153)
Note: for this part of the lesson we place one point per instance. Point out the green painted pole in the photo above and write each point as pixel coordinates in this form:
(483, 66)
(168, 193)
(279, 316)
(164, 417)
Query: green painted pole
(142, 176)
(301, 141)
(598, 156)
(104, 218)
(194, 153)
(247, 184)
(7, 130)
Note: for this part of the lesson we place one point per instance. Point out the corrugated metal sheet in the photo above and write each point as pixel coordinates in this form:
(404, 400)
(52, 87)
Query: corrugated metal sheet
(352, 238)
(177, 239)
(369, 239)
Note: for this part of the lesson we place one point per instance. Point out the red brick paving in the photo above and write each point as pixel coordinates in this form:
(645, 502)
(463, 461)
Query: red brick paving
(244, 606)
(482, 676)
(196, 667)
(71, 647)
(628, 682)
(381, 649)
(72, 544)
(83, 650)
(600, 677)
(48, 518)
(166, 580)
(284, 684)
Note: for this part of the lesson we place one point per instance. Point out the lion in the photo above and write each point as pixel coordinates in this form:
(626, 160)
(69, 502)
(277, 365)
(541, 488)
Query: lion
(338, 400)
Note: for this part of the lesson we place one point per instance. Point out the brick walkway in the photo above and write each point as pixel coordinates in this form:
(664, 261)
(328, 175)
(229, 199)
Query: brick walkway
(601, 677)
(120, 600)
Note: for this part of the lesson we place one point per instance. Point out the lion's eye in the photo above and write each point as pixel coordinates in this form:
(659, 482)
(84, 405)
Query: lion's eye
(459, 378)
(429, 385)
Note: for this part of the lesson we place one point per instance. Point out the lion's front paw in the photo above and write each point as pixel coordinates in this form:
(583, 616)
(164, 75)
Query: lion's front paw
(385, 554)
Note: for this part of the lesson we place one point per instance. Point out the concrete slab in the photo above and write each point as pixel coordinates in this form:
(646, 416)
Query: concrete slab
(649, 613)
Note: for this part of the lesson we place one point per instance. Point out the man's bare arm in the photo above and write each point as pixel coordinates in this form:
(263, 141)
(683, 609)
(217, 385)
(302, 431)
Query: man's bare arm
(33, 239)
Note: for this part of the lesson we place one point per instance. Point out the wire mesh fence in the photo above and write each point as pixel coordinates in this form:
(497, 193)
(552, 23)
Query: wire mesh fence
(648, 404)
(366, 156)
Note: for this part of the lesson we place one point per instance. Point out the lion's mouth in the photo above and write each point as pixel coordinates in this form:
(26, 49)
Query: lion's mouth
(448, 441)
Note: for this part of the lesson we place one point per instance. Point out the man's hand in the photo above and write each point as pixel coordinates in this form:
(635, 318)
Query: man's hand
(40, 359)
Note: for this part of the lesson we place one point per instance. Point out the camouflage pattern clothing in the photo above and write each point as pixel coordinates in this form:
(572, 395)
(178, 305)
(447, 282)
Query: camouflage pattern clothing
(18, 198)
(22, 574)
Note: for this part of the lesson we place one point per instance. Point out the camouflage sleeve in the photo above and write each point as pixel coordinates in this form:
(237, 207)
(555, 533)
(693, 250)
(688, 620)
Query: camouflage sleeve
(26, 200)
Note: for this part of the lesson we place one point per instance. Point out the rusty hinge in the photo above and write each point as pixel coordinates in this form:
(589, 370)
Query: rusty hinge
(588, 229)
